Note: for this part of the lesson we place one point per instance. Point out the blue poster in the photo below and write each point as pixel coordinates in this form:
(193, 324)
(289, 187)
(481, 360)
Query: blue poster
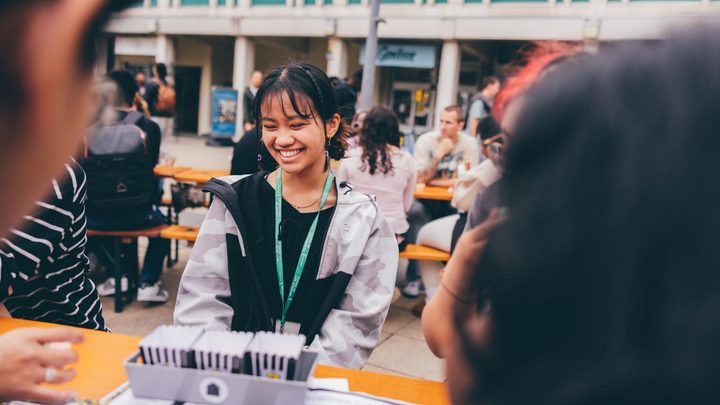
(224, 112)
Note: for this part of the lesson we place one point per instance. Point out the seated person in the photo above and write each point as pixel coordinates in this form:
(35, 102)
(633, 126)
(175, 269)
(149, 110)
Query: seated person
(381, 169)
(249, 153)
(603, 281)
(46, 253)
(487, 202)
(444, 232)
(43, 107)
(132, 215)
(293, 250)
(441, 156)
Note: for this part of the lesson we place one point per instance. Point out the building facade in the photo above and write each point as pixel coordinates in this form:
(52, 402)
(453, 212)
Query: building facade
(432, 53)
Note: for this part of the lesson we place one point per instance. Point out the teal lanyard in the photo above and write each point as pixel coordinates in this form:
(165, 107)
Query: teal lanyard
(305, 248)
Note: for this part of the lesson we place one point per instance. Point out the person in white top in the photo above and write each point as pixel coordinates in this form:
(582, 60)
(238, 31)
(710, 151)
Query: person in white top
(444, 232)
(379, 167)
(441, 157)
(440, 154)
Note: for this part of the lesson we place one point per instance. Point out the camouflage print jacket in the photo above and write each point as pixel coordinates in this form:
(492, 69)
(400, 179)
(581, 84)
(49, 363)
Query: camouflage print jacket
(359, 261)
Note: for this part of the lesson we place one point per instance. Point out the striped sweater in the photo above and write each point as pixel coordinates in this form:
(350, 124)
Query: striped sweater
(43, 261)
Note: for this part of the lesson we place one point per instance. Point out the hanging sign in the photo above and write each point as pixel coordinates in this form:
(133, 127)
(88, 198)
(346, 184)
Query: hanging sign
(403, 55)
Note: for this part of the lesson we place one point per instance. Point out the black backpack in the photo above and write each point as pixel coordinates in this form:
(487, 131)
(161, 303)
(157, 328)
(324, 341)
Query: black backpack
(118, 166)
(486, 108)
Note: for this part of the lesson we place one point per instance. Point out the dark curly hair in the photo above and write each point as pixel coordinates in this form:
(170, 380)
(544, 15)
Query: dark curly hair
(379, 130)
(303, 80)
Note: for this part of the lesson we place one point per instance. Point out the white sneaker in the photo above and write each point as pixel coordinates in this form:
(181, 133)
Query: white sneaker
(153, 293)
(411, 289)
(107, 288)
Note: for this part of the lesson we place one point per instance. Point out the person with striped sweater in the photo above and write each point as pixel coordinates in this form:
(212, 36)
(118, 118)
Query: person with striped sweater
(43, 275)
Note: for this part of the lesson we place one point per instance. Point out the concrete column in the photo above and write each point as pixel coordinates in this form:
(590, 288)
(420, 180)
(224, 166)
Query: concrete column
(101, 45)
(146, 3)
(245, 4)
(230, 4)
(244, 63)
(164, 3)
(337, 64)
(448, 77)
(165, 52)
(176, 3)
(213, 4)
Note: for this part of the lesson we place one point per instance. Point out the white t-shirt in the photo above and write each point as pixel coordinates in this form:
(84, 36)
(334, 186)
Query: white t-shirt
(466, 151)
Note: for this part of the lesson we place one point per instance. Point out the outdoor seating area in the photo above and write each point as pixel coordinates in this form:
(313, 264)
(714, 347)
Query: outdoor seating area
(363, 202)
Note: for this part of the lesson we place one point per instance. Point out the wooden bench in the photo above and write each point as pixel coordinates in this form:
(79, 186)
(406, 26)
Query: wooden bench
(411, 252)
(115, 258)
(419, 252)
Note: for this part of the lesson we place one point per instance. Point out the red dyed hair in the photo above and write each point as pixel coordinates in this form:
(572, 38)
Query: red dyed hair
(531, 65)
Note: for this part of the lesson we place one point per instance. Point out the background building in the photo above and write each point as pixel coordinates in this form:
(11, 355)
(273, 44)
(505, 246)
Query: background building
(432, 52)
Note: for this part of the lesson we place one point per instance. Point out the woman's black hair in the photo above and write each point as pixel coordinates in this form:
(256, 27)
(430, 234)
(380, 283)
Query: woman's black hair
(380, 129)
(161, 69)
(126, 84)
(488, 127)
(304, 82)
(605, 277)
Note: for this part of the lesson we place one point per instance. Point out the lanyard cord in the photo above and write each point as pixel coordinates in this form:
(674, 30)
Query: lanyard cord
(305, 248)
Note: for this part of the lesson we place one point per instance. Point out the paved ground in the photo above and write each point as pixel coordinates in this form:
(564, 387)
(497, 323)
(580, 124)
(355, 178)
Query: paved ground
(402, 349)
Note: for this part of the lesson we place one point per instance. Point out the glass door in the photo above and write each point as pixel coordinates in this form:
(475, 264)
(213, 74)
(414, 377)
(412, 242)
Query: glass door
(413, 103)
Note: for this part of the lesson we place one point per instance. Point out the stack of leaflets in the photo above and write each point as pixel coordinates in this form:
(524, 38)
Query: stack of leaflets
(274, 355)
(170, 346)
(222, 351)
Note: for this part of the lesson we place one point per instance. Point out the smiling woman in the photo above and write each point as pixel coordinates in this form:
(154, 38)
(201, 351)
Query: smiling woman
(294, 251)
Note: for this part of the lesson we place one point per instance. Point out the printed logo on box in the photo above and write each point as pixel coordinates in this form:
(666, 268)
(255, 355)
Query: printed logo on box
(214, 390)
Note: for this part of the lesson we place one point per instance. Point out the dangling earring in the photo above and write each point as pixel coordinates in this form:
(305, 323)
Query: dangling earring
(327, 154)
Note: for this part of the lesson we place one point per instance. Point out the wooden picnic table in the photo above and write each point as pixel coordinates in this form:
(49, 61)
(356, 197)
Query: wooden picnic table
(433, 193)
(170, 171)
(199, 176)
(100, 369)
(186, 174)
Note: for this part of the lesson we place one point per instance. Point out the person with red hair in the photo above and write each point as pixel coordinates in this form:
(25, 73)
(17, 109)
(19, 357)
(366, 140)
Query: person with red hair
(445, 307)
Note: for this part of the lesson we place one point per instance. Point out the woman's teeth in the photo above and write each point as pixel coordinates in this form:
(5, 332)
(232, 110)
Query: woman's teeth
(289, 153)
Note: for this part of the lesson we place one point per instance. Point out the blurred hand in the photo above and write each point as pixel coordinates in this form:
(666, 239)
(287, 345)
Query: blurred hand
(25, 359)
(445, 146)
(457, 297)
(141, 105)
(4, 313)
(248, 126)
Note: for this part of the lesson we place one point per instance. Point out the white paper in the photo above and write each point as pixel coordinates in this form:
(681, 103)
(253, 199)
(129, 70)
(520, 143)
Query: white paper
(321, 397)
(332, 384)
